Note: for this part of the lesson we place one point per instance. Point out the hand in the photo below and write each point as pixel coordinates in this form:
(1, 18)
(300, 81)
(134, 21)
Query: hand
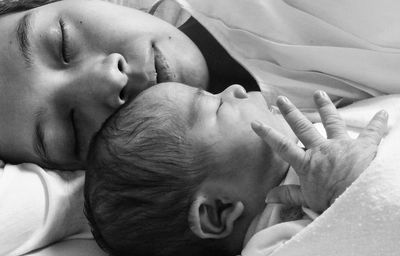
(327, 166)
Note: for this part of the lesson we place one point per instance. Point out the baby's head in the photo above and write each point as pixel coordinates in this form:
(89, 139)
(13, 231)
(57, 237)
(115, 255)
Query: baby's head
(179, 171)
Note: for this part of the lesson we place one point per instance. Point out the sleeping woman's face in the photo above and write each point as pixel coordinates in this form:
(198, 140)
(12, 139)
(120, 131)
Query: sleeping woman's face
(67, 66)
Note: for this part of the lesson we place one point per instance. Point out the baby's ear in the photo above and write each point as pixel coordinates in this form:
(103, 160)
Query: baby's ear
(213, 217)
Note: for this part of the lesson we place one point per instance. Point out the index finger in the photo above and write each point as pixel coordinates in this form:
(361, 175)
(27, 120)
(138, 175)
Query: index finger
(285, 148)
(300, 125)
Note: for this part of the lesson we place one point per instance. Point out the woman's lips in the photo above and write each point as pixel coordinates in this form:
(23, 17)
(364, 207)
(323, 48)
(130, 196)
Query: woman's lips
(163, 69)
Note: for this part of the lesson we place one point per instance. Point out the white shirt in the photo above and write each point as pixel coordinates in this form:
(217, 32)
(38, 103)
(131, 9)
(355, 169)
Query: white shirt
(39, 207)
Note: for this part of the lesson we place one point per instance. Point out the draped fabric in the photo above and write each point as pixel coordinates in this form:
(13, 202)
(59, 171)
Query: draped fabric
(349, 48)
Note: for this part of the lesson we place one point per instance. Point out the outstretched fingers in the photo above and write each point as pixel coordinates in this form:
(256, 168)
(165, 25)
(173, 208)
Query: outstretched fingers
(300, 125)
(284, 147)
(376, 128)
(334, 125)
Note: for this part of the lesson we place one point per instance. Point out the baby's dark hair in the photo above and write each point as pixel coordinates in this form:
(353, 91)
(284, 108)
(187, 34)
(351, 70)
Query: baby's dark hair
(142, 175)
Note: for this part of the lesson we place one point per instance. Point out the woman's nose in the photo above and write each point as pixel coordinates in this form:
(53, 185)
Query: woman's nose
(235, 91)
(114, 79)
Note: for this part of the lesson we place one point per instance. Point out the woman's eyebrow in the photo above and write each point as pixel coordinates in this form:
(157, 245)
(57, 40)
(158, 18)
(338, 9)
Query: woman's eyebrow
(24, 29)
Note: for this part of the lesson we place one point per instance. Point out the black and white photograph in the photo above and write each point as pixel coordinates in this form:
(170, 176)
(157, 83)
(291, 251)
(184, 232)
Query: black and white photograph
(199, 127)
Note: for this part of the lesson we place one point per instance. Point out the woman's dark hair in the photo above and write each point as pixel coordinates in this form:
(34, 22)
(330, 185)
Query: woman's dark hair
(7, 6)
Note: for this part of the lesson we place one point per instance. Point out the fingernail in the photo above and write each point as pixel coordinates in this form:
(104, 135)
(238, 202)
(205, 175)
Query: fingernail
(323, 94)
(284, 99)
(384, 113)
(256, 125)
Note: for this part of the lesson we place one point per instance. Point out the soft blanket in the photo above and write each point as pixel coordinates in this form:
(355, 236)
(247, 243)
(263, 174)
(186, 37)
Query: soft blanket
(349, 48)
(365, 220)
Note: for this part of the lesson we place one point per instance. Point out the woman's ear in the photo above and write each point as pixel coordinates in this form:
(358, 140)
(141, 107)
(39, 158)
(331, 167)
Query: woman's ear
(213, 217)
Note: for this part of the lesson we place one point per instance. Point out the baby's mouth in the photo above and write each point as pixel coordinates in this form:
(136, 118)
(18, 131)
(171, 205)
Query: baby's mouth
(164, 71)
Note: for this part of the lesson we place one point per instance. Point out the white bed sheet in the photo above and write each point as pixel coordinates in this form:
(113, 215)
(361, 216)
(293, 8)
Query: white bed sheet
(70, 248)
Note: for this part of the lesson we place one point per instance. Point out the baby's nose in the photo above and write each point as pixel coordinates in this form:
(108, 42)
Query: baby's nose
(235, 91)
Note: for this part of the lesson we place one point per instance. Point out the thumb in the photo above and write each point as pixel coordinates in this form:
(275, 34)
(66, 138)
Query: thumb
(286, 194)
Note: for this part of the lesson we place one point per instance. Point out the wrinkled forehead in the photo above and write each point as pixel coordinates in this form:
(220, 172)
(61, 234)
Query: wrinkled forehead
(177, 93)
(158, 93)
(172, 97)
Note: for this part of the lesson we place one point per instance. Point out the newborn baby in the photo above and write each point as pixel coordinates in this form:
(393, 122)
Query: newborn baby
(180, 171)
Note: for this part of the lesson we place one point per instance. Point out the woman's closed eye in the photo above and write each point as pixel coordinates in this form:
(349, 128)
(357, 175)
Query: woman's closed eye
(65, 48)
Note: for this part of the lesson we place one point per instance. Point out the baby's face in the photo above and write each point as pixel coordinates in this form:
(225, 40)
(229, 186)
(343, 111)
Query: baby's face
(222, 123)
(65, 67)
